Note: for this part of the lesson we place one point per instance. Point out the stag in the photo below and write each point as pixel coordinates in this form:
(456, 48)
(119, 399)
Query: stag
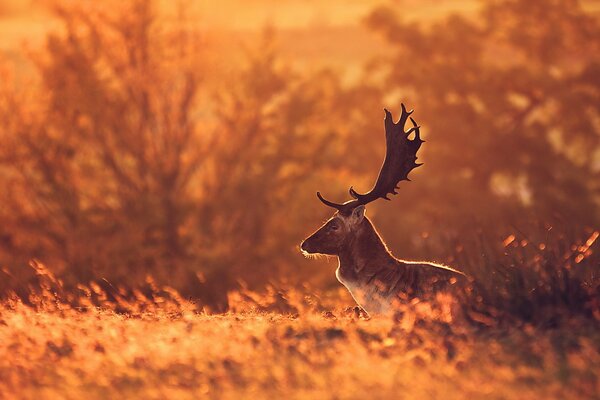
(373, 276)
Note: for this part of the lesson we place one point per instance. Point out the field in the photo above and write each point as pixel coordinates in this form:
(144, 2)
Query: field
(185, 354)
(98, 341)
(158, 168)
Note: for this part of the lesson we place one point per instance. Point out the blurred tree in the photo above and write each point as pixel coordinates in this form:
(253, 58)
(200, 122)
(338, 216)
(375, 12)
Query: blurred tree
(121, 164)
(276, 134)
(118, 160)
(103, 153)
(509, 102)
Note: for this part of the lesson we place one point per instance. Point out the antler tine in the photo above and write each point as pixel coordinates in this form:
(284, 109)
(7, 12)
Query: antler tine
(415, 129)
(330, 203)
(417, 141)
(404, 116)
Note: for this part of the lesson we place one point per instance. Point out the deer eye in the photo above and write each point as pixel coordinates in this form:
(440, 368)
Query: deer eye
(334, 227)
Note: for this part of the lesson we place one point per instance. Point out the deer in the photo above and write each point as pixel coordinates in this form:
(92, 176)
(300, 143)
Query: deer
(376, 279)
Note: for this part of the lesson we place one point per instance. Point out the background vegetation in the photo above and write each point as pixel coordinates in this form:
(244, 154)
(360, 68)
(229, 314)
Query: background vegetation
(132, 147)
(159, 163)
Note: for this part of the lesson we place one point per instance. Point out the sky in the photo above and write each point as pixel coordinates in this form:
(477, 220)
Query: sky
(310, 33)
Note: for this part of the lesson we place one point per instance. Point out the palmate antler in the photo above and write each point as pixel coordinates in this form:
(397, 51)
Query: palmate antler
(400, 159)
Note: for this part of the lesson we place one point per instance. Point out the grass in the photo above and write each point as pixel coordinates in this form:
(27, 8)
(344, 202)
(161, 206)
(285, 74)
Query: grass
(526, 329)
(102, 354)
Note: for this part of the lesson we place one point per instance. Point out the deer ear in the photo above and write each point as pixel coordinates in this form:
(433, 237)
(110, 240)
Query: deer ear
(358, 214)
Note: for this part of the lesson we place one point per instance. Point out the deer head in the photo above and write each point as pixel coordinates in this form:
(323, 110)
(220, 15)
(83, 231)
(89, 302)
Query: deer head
(400, 160)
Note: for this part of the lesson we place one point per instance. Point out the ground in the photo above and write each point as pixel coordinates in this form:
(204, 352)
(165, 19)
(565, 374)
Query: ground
(68, 353)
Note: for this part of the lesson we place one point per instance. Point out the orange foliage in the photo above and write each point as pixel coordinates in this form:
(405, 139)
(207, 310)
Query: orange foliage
(158, 168)
(138, 142)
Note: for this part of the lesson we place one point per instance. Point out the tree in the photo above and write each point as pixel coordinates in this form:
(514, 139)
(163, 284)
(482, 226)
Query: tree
(122, 163)
(277, 133)
(101, 156)
(509, 104)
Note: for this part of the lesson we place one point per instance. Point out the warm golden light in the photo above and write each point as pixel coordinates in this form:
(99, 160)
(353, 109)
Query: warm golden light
(158, 168)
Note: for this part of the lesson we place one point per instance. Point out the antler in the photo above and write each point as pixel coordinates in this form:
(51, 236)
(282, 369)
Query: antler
(400, 159)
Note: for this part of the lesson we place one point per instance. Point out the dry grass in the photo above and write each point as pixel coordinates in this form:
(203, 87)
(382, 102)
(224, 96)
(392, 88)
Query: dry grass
(88, 190)
(177, 352)
(534, 335)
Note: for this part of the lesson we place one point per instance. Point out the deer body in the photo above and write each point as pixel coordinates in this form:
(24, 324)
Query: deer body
(376, 279)
(373, 276)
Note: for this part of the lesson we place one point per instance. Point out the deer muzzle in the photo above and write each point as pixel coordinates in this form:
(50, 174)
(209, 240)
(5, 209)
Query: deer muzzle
(306, 246)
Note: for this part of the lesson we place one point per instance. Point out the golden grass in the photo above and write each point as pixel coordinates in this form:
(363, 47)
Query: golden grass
(65, 353)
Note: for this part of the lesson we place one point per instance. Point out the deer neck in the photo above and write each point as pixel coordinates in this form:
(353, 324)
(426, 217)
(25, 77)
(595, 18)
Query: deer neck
(363, 253)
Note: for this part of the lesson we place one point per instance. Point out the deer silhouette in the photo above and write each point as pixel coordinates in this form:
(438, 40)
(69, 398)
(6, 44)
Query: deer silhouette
(373, 276)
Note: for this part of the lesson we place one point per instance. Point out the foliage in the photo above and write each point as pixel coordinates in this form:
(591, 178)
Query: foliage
(149, 185)
(115, 171)
(510, 106)
(99, 158)
(129, 153)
